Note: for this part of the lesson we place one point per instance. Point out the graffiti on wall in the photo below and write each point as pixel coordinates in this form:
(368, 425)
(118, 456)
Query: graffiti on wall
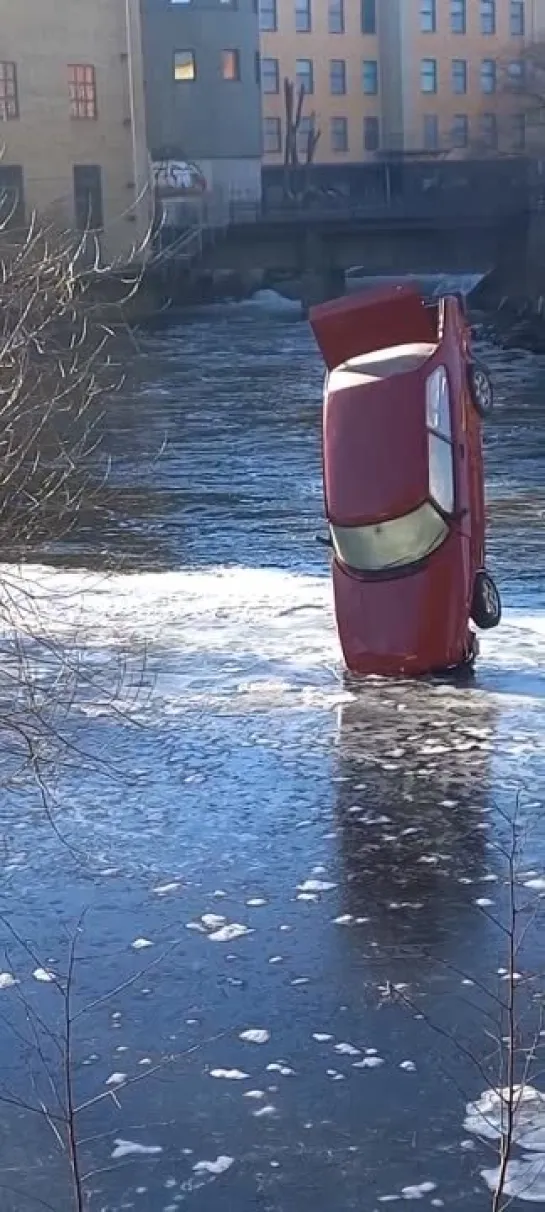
(179, 178)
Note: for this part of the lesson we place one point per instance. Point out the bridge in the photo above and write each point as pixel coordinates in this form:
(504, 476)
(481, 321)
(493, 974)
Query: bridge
(451, 218)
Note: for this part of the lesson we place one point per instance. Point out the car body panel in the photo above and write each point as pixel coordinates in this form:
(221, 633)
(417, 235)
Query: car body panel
(415, 619)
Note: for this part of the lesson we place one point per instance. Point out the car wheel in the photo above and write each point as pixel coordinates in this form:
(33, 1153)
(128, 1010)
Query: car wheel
(486, 604)
(480, 388)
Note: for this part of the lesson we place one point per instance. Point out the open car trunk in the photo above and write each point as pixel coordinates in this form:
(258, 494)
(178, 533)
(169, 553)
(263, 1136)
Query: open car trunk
(370, 321)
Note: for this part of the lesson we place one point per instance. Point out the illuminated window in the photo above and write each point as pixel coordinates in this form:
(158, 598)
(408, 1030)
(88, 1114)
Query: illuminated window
(83, 90)
(9, 100)
(185, 68)
(230, 65)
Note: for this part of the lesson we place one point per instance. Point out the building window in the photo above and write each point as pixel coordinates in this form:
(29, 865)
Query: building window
(272, 135)
(368, 16)
(428, 75)
(337, 77)
(460, 130)
(268, 18)
(257, 69)
(428, 16)
(458, 16)
(488, 76)
(369, 77)
(516, 18)
(303, 17)
(518, 132)
(304, 74)
(9, 97)
(430, 131)
(489, 129)
(488, 16)
(12, 199)
(515, 74)
(305, 132)
(185, 68)
(88, 205)
(230, 64)
(339, 134)
(82, 89)
(459, 76)
(270, 76)
(371, 133)
(336, 16)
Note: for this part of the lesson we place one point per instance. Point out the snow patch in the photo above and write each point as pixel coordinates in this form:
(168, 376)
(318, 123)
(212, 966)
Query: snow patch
(255, 1036)
(127, 1148)
(219, 1166)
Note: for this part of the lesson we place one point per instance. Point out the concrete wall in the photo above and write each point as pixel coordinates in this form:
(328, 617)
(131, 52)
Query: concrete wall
(378, 248)
(212, 120)
(46, 142)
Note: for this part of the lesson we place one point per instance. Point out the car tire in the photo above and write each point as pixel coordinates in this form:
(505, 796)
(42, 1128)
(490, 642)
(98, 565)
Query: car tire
(480, 388)
(486, 603)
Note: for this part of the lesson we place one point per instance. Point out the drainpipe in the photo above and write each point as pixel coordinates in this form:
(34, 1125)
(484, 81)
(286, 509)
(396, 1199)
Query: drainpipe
(132, 106)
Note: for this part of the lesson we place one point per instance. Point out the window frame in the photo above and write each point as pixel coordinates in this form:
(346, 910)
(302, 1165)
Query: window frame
(235, 52)
(430, 121)
(303, 16)
(308, 83)
(458, 16)
(276, 74)
(371, 122)
(340, 64)
(463, 80)
(192, 60)
(459, 122)
(336, 17)
(268, 9)
(433, 76)
(9, 91)
(82, 76)
(271, 123)
(491, 77)
(333, 129)
(517, 17)
(368, 17)
(374, 81)
(488, 18)
(428, 16)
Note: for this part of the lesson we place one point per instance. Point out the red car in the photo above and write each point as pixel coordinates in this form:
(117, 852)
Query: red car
(404, 481)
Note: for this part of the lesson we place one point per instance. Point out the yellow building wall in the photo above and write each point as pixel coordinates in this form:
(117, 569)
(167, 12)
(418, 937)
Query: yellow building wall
(399, 48)
(320, 46)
